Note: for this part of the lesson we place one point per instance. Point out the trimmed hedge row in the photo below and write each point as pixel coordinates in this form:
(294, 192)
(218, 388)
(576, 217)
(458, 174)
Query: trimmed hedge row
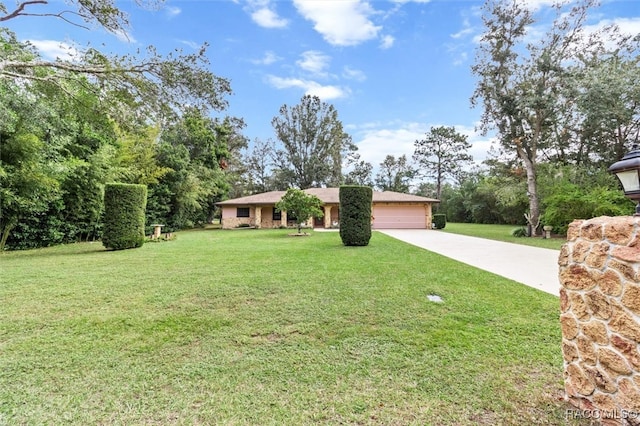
(124, 210)
(355, 215)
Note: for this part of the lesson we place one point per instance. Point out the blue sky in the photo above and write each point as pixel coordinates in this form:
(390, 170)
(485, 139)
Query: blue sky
(392, 68)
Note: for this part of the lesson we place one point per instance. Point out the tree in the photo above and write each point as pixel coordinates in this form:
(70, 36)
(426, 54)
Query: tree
(300, 205)
(29, 180)
(609, 102)
(196, 151)
(314, 144)
(234, 165)
(138, 152)
(518, 85)
(145, 85)
(395, 174)
(27, 183)
(362, 171)
(258, 163)
(442, 153)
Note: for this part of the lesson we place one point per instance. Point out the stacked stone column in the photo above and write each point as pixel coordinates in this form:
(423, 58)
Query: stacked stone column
(600, 317)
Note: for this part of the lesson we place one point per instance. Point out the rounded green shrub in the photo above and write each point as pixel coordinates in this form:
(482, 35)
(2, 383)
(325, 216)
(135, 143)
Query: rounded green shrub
(355, 215)
(520, 232)
(439, 221)
(124, 210)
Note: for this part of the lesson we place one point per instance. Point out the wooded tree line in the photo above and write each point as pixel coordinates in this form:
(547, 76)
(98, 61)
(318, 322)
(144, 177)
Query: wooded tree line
(306, 155)
(562, 109)
(71, 125)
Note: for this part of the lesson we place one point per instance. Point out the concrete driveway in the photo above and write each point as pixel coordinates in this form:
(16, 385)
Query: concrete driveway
(532, 266)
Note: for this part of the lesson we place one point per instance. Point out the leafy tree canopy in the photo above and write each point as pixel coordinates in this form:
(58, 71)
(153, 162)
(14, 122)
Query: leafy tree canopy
(314, 144)
(133, 87)
(442, 154)
(395, 174)
(300, 205)
(568, 97)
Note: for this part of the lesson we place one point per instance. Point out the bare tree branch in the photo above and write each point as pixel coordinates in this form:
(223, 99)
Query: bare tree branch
(20, 9)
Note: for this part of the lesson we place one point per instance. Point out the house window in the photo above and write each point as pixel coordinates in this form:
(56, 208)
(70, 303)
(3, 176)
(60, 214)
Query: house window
(277, 214)
(242, 212)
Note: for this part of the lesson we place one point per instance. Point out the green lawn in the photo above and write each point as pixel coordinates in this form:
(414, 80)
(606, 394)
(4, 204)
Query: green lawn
(503, 233)
(255, 327)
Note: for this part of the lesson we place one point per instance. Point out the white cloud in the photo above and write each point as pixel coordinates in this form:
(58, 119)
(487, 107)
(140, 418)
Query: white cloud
(377, 140)
(341, 23)
(268, 58)
(267, 18)
(609, 39)
(629, 26)
(480, 145)
(461, 58)
(314, 62)
(327, 92)
(124, 36)
(465, 31)
(52, 49)
(626, 26)
(387, 42)
(172, 11)
(411, 1)
(459, 47)
(538, 4)
(191, 44)
(375, 144)
(353, 74)
(310, 87)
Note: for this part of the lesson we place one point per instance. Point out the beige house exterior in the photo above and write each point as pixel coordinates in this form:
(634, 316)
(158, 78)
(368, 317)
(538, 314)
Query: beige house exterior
(390, 210)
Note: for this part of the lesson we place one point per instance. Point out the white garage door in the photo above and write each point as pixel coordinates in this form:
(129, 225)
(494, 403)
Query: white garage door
(394, 217)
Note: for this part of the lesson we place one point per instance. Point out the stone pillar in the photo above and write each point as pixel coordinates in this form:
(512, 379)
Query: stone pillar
(258, 217)
(327, 216)
(600, 318)
(283, 219)
(428, 215)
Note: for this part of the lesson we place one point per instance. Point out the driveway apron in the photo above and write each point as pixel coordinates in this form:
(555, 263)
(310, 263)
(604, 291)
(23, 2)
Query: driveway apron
(532, 266)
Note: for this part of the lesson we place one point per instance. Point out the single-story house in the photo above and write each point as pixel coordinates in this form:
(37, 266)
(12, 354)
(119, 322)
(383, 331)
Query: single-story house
(390, 210)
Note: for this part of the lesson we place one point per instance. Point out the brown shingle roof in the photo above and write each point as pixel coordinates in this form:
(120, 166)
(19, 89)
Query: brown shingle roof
(399, 197)
(328, 196)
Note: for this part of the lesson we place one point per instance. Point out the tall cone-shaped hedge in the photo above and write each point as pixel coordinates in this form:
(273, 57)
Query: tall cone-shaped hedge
(355, 215)
(124, 209)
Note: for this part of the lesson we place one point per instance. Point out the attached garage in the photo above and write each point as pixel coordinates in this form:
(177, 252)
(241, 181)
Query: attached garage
(400, 216)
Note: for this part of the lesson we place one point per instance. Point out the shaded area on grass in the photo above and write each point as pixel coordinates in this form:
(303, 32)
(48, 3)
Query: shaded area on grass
(259, 328)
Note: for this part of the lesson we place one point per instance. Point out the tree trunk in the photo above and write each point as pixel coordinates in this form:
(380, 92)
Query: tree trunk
(4, 235)
(534, 204)
(533, 217)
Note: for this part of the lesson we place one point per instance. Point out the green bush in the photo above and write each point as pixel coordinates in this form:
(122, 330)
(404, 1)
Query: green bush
(574, 202)
(124, 210)
(355, 215)
(520, 232)
(439, 221)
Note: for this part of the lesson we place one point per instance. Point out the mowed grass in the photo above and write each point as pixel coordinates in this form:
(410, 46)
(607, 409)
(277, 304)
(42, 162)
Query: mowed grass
(255, 327)
(503, 233)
